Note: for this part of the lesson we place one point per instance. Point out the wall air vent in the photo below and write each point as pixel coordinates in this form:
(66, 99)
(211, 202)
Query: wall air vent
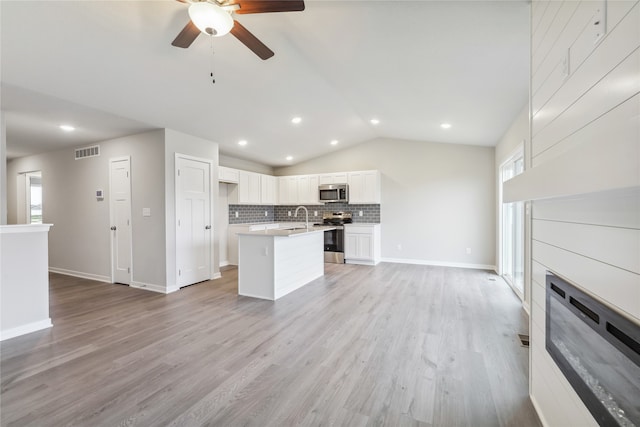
(83, 153)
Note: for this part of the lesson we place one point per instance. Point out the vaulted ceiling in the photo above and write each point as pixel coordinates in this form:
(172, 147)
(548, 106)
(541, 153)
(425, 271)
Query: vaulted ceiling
(108, 68)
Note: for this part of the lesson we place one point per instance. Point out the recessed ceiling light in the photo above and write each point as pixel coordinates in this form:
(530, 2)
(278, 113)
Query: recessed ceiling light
(242, 142)
(445, 125)
(334, 142)
(67, 128)
(296, 120)
(289, 158)
(374, 121)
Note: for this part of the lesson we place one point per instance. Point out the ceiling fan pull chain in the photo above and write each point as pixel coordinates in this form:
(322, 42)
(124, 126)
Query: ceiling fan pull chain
(213, 52)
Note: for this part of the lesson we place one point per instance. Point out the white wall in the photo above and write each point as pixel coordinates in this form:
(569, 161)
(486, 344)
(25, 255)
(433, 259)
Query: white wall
(223, 223)
(80, 238)
(245, 165)
(585, 139)
(3, 170)
(177, 142)
(514, 137)
(437, 199)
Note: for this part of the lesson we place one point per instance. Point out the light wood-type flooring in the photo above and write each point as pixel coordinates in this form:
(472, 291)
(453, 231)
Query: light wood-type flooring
(394, 345)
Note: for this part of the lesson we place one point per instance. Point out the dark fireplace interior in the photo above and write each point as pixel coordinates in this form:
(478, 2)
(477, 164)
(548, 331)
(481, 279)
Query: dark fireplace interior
(598, 351)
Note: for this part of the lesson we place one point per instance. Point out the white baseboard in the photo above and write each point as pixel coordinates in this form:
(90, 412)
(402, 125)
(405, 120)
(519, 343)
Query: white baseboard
(80, 274)
(358, 262)
(216, 276)
(148, 287)
(25, 329)
(223, 263)
(440, 263)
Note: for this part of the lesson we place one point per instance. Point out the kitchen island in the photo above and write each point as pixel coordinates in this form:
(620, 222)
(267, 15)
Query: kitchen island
(275, 262)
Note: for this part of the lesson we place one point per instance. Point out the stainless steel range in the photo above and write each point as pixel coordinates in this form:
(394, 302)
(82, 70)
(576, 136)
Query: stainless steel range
(334, 239)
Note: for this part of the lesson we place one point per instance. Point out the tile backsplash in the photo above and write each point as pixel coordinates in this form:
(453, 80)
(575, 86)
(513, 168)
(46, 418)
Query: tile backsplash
(256, 213)
(250, 214)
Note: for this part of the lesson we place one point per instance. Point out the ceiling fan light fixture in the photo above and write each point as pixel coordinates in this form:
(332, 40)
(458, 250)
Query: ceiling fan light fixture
(210, 19)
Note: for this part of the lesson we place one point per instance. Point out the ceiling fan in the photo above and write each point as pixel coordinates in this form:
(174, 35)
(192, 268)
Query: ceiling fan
(214, 18)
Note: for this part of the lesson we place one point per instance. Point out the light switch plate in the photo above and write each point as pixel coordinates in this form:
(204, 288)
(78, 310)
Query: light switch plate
(146, 211)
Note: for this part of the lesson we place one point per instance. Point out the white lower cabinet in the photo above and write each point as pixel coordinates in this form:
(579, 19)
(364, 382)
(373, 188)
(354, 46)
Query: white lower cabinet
(362, 244)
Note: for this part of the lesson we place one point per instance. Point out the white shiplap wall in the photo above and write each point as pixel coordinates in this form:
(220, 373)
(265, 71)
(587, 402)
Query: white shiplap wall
(585, 174)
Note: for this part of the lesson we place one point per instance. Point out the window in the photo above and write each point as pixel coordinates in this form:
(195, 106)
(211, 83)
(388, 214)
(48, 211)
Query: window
(512, 229)
(33, 192)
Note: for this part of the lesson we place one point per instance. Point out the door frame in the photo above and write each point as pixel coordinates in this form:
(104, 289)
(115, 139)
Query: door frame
(175, 212)
(515, 154)
(111, 218)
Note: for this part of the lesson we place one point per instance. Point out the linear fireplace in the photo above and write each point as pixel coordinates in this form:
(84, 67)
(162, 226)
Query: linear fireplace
(598, 351)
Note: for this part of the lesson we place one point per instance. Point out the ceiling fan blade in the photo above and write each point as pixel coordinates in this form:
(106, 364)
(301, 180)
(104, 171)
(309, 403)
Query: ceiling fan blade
(251, 41)
(186, 36)
(266, 6)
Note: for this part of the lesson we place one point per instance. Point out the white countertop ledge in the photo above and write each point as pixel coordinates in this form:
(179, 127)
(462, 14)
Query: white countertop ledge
(281, 232)
(24, 228)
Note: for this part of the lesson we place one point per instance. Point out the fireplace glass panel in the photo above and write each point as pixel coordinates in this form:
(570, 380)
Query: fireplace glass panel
(597, 350)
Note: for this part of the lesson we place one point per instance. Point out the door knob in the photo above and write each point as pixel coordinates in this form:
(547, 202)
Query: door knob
(207, 227)
(113, 228)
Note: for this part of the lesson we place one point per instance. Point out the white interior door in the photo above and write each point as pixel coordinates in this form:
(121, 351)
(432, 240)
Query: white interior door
(193, 215)
(120, 213)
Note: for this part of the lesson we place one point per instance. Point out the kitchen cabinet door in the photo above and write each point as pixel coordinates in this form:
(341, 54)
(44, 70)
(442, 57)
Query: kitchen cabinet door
(288, 190)
(350, 246)
(333, 178)
(269, 190)
(303, 189)
(249, 188)
(226, 174)
(314, 182)
(362, 244)
(364, 187)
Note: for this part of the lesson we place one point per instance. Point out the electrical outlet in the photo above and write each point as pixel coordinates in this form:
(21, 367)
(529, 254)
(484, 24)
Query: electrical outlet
(359, 213)
(315, 213)
(468, 251)
(289, 213)
(399, 247)
(266, 213)
(236, 214)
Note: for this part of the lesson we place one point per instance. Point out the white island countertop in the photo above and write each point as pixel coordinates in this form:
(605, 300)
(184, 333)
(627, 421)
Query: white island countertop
(286, 231)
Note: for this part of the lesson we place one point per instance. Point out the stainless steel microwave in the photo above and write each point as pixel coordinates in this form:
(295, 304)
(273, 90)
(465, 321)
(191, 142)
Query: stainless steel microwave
(333, 193)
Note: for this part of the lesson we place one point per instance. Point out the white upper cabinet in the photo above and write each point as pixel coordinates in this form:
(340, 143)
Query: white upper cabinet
(252, 189)
(364, 187)
(298, 190)
(308, 189)
(256, 189)
(249, 188)
(226, 174)
(288, 190)
(314, 182)
(269, 193)
(333, 178)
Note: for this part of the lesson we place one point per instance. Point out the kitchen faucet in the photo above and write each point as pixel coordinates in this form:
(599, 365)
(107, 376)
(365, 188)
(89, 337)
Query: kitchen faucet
(306, 215)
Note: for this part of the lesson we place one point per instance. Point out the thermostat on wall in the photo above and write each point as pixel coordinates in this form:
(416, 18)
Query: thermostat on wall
(99, 195)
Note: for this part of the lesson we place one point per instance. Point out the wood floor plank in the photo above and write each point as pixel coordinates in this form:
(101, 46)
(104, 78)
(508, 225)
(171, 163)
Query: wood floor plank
(394, 345)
